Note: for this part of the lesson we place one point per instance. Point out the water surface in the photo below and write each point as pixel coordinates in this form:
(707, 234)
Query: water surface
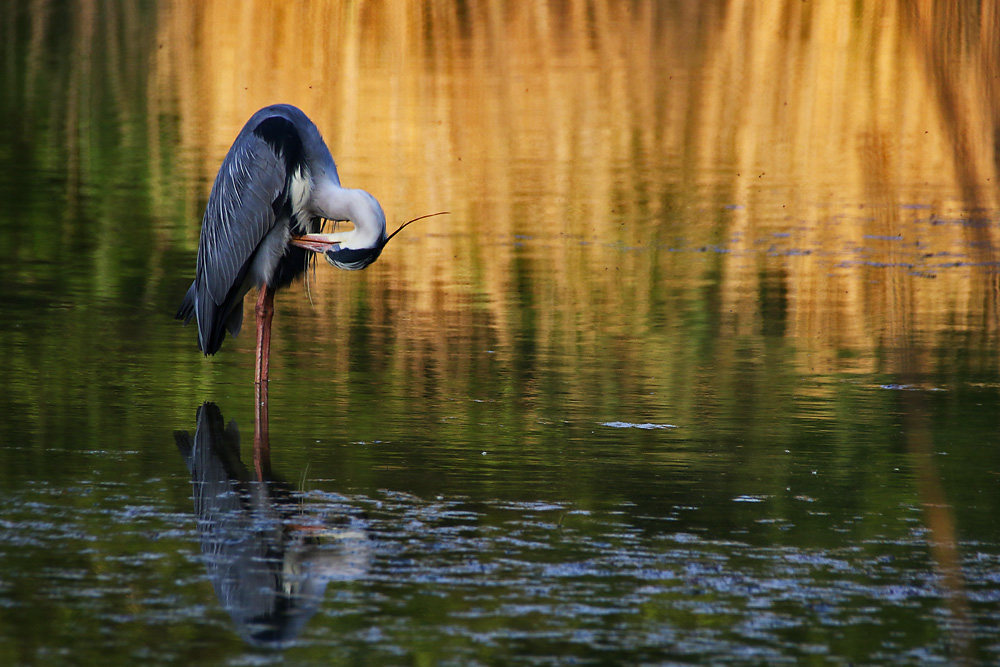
(701, 367)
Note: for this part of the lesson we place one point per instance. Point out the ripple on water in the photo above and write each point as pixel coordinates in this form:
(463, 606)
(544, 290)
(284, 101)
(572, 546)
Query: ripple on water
(645, 426)
(502, 574)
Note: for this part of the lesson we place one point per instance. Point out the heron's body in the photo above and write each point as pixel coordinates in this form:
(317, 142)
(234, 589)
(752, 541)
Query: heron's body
(277, 183)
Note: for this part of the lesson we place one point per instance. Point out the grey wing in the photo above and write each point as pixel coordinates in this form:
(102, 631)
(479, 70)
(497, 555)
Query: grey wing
(242, 208)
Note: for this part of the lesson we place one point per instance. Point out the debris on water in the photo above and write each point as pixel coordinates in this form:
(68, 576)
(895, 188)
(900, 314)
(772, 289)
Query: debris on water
(907, 387)
(646, 426)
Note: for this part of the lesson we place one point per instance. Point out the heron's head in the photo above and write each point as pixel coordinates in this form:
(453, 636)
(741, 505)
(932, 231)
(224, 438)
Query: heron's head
(354, 259)
(355, 249)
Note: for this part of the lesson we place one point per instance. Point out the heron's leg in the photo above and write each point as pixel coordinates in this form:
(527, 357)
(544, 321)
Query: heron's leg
(265, 311)
(261, 438)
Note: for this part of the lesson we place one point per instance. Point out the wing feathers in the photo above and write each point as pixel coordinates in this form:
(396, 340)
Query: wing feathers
(249, 191)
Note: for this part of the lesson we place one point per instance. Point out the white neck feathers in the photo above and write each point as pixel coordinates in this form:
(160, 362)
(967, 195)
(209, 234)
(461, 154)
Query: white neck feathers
(333, 202)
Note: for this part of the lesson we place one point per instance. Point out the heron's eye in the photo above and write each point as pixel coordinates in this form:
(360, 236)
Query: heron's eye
(351, 259)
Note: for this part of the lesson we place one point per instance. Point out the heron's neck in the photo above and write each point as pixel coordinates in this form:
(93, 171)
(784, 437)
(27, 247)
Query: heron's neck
(336, 203)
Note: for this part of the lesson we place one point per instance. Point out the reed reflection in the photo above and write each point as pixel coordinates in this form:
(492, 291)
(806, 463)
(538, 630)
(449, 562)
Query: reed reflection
(853, 188)
(268, 559)
(938, 513)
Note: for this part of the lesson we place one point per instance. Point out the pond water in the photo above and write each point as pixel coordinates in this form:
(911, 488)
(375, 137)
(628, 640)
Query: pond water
(701, 367)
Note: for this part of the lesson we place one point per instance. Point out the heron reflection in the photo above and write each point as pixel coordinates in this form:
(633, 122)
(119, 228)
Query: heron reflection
(269, 562)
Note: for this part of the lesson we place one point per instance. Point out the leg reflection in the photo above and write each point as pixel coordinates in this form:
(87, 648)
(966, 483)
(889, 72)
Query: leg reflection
(261, 437)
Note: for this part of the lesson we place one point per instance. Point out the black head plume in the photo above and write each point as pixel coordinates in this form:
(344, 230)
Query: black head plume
(400, 228)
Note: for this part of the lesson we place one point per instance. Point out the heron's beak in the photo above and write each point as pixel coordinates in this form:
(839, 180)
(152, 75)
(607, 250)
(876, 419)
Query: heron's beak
(318, 243)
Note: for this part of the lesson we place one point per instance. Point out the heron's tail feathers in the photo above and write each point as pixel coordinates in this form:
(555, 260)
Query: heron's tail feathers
(235, 320)
(213, 319)
(186, 311)
(212, 330)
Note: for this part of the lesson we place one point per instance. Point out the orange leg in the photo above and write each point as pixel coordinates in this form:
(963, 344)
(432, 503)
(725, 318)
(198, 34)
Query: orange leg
(265, 312)
(261, 439)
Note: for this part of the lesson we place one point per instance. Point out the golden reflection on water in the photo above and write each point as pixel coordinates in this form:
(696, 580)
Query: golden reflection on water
(617, 124)
(840, 155)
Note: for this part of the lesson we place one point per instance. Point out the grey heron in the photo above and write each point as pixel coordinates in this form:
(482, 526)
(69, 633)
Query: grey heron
(262, 222)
